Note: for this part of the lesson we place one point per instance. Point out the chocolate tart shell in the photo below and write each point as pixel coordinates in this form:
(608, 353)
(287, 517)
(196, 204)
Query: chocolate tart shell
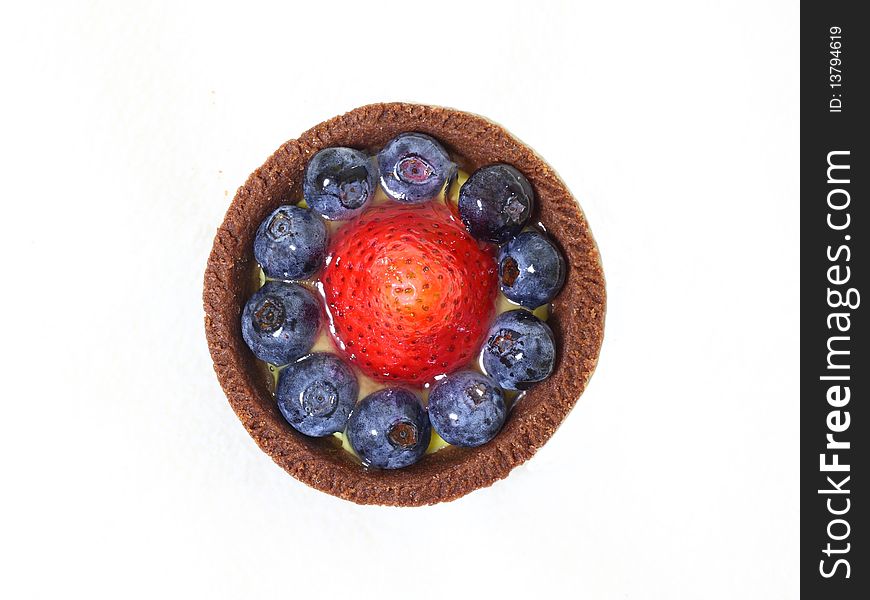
(577, 318)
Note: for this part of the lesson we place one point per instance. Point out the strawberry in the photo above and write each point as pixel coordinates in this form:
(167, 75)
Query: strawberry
(409, 292)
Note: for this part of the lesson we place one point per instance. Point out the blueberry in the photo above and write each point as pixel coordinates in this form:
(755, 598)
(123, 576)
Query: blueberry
(531, 269)
(339, 182)
(280, 322)
(467, 408)
(414, 167)
(519, 350)
(495, 203)
(316, 394)
(290, 243)
(389, 429)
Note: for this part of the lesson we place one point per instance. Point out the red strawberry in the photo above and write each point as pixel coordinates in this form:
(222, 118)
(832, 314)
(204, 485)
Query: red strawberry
(409, 291)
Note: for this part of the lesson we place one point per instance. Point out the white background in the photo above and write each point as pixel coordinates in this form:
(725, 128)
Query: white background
(125, 130)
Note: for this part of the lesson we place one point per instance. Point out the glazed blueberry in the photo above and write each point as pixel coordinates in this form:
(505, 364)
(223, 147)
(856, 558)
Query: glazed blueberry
(316, 394)
(414, 167)
(531, 269)
(339, 182)
(290, 243)
(519, 350)
(280, 322)
(389, 429)
(467, 408)
(495, 203)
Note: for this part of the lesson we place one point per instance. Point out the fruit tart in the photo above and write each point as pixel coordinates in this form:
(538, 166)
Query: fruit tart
(403, 304)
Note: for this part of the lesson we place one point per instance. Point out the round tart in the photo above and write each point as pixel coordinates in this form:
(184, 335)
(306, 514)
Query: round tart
(232, 278)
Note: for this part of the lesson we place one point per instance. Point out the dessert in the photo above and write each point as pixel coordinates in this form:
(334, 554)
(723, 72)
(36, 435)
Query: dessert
(408, 292)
